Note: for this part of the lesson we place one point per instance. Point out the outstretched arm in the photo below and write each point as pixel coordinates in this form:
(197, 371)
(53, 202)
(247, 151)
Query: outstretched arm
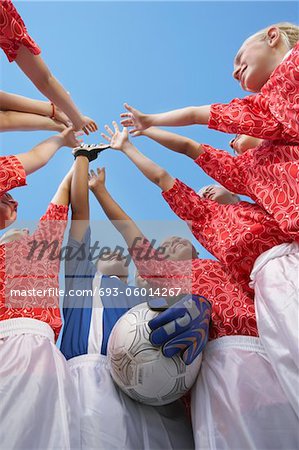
(63, 193)
(121, 221)
(19, 121)
(175, 142)
(43, 152)
(186, 116)
(80, 198)
(37, 71)
(119, 141)
(24, 114)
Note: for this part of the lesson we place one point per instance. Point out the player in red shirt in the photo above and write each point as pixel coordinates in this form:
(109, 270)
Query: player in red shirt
(20, 47)
(33, 373)
(224, 411)
(244, 238)
(267, 63)
(268, 173)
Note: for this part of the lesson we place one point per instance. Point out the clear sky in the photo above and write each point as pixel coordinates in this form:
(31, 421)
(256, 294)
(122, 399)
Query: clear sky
(156, 56)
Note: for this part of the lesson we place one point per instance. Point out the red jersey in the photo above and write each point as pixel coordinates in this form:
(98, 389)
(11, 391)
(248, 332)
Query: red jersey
(233, 310)
(271, 114)
(12, 174)
(29, 267)
(235, 234)
(269, 174)
(13, 32)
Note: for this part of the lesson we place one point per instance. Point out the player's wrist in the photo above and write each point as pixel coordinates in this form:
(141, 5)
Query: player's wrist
(59, 139)
(127, 147)
(98, 190)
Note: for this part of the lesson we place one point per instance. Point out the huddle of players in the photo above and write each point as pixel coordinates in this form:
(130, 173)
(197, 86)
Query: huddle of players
(246, 394)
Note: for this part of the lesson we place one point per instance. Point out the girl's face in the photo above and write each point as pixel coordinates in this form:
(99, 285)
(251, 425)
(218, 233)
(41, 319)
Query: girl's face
(178, 249)
(220, 195)
(257, 58)
(113, 263)
(8, 210)
(241, 143)
(253, 65)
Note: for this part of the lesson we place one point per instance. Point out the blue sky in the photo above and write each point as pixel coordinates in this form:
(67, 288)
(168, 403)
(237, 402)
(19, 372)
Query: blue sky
(155, 55)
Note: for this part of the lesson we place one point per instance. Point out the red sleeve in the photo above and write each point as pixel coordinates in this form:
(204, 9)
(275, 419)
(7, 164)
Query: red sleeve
(250, 115)
(12, 174)
(186, 204)
(52, 225)
(13, 32)
(154, 267)
(224, 168)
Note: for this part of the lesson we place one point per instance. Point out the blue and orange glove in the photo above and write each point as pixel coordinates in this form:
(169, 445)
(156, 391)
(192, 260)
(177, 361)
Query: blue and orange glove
(181, 328)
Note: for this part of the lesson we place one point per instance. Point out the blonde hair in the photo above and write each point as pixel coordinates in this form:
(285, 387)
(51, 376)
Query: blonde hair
(288, 31)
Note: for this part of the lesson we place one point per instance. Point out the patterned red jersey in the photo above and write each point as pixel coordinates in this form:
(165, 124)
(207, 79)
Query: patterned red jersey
(29, 266)
(269, 174)
(271, 114)
(233, 310)
(235, 234)
(13, 32)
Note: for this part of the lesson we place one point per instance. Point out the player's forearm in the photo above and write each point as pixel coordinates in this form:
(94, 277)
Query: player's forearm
(150, 169)
(53, 90)
(180, 117)
(79, 189)
(22, 121)
(40, 154)
(38, 72)
(62, 195)
(110, 207)
(175, 142)
(13, 102)
(117, 216)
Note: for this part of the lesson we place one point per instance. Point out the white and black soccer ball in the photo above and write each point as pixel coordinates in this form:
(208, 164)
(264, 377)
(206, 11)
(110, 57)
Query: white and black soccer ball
(139, 368)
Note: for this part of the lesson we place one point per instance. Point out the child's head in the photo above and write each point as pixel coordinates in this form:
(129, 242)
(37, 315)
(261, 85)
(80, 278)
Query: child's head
(113, 263)
(8, 210)
(178, 249)
(241, 143)
(218, 194)
(262, 52)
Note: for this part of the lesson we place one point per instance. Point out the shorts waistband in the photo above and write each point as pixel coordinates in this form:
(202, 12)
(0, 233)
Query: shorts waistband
(248, 343)
(24, 325)
(90, 358)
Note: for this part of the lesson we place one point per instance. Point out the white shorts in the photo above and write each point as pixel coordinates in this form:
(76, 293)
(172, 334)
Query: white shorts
(112, 420)
(275, 278)
(237, 401)
(38, 402)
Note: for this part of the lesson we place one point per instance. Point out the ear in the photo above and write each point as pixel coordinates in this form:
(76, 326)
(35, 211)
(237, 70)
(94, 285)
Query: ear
(273, 36)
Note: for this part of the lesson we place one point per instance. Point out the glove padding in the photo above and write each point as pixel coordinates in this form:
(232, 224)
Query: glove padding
(182, 328)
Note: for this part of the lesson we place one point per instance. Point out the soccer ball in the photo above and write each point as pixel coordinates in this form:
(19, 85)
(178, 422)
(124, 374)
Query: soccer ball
(139, 368)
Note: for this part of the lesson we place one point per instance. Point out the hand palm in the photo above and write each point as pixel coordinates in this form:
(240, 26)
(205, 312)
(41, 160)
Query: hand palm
(118, 139)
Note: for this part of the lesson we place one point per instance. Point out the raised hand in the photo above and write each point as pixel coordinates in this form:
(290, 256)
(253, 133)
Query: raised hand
(89, 125)
(182, 328)
(96, 180)
(136, 119)
(117, 139)
(70, 137)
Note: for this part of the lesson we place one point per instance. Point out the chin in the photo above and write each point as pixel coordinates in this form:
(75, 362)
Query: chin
(7, 223)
